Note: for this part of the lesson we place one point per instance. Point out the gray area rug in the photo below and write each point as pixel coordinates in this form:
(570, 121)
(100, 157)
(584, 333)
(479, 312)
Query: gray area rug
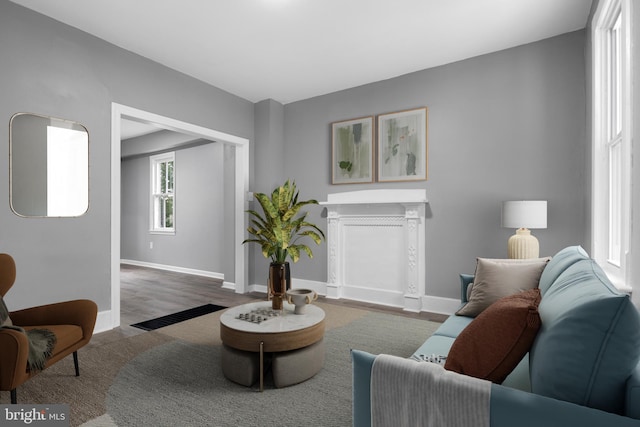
(180, 383)
(172, 376)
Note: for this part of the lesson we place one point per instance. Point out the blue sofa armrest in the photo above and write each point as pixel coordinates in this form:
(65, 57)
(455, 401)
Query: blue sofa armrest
(362, 363)
(511, 407)
(465, 281)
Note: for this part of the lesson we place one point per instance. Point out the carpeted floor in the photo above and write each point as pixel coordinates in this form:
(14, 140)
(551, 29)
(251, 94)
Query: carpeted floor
(172, 376)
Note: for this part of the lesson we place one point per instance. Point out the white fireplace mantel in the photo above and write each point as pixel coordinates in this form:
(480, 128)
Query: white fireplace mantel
(376, 246)
(376, 197)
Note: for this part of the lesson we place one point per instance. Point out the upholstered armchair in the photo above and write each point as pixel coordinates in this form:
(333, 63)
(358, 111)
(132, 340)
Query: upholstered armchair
(72, 323)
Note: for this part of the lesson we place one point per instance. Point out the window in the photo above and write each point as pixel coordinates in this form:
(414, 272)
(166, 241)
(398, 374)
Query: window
(163, 193)
(611, 135)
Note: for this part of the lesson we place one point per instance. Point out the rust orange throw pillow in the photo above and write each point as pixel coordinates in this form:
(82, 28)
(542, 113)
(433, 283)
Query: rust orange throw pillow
(493, 344)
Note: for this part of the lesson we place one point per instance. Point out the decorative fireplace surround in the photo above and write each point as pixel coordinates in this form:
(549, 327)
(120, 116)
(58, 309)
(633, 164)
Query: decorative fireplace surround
(376, 246)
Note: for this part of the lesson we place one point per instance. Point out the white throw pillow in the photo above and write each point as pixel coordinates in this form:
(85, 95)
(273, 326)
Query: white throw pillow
(498, 278)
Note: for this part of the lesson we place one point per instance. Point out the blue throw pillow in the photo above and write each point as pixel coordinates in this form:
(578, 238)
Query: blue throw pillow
(589, 341)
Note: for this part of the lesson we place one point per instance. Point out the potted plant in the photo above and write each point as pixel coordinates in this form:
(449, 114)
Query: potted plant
(278, 231)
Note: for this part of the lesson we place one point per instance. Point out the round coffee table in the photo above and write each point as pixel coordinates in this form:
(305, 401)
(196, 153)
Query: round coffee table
(295, 342)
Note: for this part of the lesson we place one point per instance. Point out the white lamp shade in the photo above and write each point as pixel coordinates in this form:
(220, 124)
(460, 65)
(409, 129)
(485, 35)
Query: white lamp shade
(524, 214)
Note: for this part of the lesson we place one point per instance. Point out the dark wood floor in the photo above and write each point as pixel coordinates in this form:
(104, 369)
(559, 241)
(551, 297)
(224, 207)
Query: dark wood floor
(147, 293)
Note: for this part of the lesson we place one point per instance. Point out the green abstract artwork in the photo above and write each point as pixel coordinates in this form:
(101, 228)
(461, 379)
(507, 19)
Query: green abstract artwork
(352, 151)
(402, 146)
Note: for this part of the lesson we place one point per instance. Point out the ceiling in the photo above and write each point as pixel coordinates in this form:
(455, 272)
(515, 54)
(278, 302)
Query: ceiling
(133, 129)
(289, 50)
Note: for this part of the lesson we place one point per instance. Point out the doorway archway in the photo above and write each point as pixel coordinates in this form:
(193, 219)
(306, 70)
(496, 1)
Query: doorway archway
(118, 112)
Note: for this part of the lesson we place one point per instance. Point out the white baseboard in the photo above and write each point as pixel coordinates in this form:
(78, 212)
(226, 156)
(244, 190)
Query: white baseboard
(104, 322)
(373, 296)
(229, 285)
(431, 304)
(440, 305)
(173, 268)
(258, 288)
(319, 287)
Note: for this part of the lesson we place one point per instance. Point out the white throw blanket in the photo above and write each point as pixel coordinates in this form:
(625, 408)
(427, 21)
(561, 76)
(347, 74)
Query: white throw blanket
(409, 393)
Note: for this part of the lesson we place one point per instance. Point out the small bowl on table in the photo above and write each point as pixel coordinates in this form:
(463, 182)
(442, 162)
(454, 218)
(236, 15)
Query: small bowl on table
(300, 298)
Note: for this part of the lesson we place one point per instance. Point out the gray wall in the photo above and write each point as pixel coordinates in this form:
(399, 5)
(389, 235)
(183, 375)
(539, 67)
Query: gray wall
(269, 167)
(52, 69)
(199, 240)
(229, 171)
(504, 126)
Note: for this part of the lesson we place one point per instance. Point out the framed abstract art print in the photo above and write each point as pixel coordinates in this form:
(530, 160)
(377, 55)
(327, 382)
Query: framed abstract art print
(352, 151)
(402, 146)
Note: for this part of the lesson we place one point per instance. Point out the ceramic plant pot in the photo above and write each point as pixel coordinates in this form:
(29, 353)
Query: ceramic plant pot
(300, 298)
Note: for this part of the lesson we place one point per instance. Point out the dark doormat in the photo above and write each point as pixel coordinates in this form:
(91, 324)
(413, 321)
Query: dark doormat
(180, 316)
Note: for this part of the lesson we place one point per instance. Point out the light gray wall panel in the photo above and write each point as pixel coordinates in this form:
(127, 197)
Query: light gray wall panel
(270, 148)
(229, 171)
(199, 240)
(269, 170)
(504, 126)
(134, 208)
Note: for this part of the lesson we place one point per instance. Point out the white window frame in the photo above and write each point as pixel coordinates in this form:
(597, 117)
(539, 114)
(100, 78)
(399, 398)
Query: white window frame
(156, 196)
(611, 138)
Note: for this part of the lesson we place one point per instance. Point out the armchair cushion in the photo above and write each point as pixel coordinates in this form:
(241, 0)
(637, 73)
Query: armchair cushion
(41, 343)
(66, 336)
(497, 278)
(495, 342)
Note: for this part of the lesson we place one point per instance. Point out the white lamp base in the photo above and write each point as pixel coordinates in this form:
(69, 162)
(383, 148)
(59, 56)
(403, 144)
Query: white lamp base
(523, 245)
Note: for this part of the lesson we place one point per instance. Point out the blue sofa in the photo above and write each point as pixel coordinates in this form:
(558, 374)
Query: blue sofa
(583, 368)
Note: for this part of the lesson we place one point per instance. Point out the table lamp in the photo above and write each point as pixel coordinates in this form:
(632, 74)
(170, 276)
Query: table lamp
(524, 215)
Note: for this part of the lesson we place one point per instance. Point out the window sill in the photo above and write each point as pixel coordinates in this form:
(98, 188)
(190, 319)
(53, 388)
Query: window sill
(163, 232)
(615, 276)
(621, 286)
(619, 283)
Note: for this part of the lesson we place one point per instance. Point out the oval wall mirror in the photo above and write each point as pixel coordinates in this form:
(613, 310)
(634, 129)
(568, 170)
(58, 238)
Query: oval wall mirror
(49, 166)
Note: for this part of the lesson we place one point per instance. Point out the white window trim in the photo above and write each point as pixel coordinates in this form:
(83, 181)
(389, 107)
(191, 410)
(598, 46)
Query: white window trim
(619, 275)
(153, 160)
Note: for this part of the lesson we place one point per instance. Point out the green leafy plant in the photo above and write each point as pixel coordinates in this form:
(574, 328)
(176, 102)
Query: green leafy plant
(281, 226)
